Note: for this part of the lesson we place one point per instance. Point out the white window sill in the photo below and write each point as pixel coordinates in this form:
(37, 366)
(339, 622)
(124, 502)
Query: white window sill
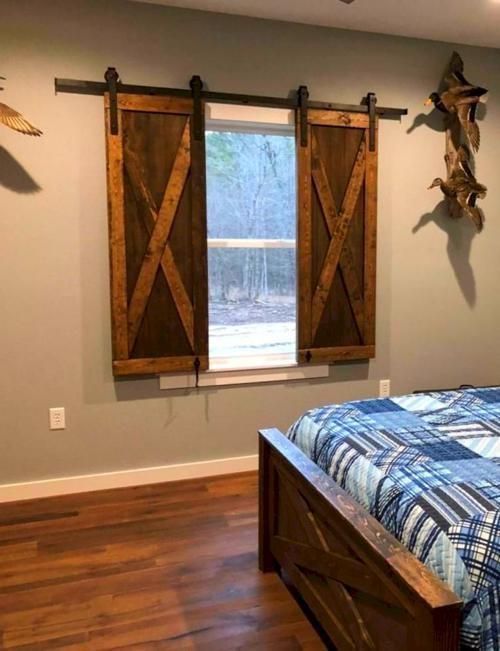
(218, 377)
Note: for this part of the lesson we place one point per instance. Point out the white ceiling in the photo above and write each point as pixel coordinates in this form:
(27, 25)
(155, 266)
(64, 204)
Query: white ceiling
(473, 22)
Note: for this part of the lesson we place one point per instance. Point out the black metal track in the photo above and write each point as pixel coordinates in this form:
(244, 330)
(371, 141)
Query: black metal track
(81, 87)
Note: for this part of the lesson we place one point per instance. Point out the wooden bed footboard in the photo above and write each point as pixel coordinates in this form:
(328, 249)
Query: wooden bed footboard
(367, 591)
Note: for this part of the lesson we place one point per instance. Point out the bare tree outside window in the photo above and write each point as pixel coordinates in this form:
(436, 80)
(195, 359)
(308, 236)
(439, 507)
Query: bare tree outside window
(251, 201)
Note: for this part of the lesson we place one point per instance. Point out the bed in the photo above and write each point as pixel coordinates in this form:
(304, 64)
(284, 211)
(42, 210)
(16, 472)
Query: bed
(385, 516)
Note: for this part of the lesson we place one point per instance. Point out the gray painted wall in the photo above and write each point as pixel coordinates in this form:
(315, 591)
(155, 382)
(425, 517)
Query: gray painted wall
(438, 298)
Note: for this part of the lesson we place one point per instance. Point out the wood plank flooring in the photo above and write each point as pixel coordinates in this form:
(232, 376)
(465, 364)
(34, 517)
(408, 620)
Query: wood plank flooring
(167, 566)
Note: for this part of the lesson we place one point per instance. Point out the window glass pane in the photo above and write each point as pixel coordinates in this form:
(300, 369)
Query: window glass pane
(252, 284)
(252, 302)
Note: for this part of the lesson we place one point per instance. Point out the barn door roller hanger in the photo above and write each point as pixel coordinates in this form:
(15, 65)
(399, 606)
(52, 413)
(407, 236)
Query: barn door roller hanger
(297, 100)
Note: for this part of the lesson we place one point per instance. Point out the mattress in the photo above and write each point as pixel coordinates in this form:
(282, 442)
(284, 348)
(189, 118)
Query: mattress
(428, 468)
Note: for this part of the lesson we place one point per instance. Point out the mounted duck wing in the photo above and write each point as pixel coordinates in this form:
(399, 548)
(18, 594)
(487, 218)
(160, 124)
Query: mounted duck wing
(463, 162)
(14, 120)
(455, 76)
(474, 213)
(467, 119)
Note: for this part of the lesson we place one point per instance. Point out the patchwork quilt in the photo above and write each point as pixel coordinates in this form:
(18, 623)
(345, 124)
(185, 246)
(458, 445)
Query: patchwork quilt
(428, 468)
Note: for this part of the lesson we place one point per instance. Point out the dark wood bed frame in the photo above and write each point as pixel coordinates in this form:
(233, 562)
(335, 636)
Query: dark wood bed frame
(365, 589)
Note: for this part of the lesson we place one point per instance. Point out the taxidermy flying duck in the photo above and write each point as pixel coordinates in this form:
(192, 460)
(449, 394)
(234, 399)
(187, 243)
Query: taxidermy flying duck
(462, 187)
(14, 120)
(461, 99)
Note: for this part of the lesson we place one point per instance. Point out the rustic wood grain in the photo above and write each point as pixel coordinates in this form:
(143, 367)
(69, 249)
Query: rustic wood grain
(199, 243)
(170, 566)
(159, 260)
(117, 249)
(371, 197)
(155, 365)
(153, 103)
(338, 326)
(159, 236)
(355, 294)
(397, 603)
(338, 238)
(322, 184)
(168, 265)
(327, 117)
(266, 509)
(336, 353)
(304, 191)
(347, 260)
(351, 573)
(155, 138)
(346, 615)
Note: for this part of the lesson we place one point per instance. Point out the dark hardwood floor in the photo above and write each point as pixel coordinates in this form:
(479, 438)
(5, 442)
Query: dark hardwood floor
(167, 566)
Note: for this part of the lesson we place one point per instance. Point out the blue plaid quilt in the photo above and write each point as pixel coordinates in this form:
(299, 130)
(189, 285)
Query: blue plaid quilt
(428, 468)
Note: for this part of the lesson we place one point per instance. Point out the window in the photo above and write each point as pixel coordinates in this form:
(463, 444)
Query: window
(251, 222)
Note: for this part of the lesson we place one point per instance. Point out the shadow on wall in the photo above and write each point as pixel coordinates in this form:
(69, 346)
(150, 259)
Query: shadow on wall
(460, 235)
(14, 177)
(434, 120)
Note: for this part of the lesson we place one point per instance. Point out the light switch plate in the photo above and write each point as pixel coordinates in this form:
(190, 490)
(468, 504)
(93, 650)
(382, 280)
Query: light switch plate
(57, 418)
(384, 390)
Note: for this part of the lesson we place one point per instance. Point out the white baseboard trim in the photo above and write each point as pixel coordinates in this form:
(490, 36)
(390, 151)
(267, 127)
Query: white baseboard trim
(124, 478)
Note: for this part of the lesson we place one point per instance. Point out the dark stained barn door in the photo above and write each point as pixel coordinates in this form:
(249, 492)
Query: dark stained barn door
(337, 189)
(158, 248)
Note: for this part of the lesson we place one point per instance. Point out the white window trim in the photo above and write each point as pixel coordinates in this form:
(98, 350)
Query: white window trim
(217, 378)
(255, 369)
(249, 119)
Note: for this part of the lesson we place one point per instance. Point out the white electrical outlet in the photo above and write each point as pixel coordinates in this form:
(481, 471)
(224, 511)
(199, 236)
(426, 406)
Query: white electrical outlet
(384, 390)
(57, 418)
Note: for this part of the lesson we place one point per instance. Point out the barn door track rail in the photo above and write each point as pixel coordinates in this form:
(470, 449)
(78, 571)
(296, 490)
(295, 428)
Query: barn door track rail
(297, 100)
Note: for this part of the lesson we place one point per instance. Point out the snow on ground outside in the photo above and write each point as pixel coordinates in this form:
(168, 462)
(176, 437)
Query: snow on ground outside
(252, 339)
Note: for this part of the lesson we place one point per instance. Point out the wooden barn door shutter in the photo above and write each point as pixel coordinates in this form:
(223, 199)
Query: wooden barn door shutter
(157, 223)
(337, 237)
